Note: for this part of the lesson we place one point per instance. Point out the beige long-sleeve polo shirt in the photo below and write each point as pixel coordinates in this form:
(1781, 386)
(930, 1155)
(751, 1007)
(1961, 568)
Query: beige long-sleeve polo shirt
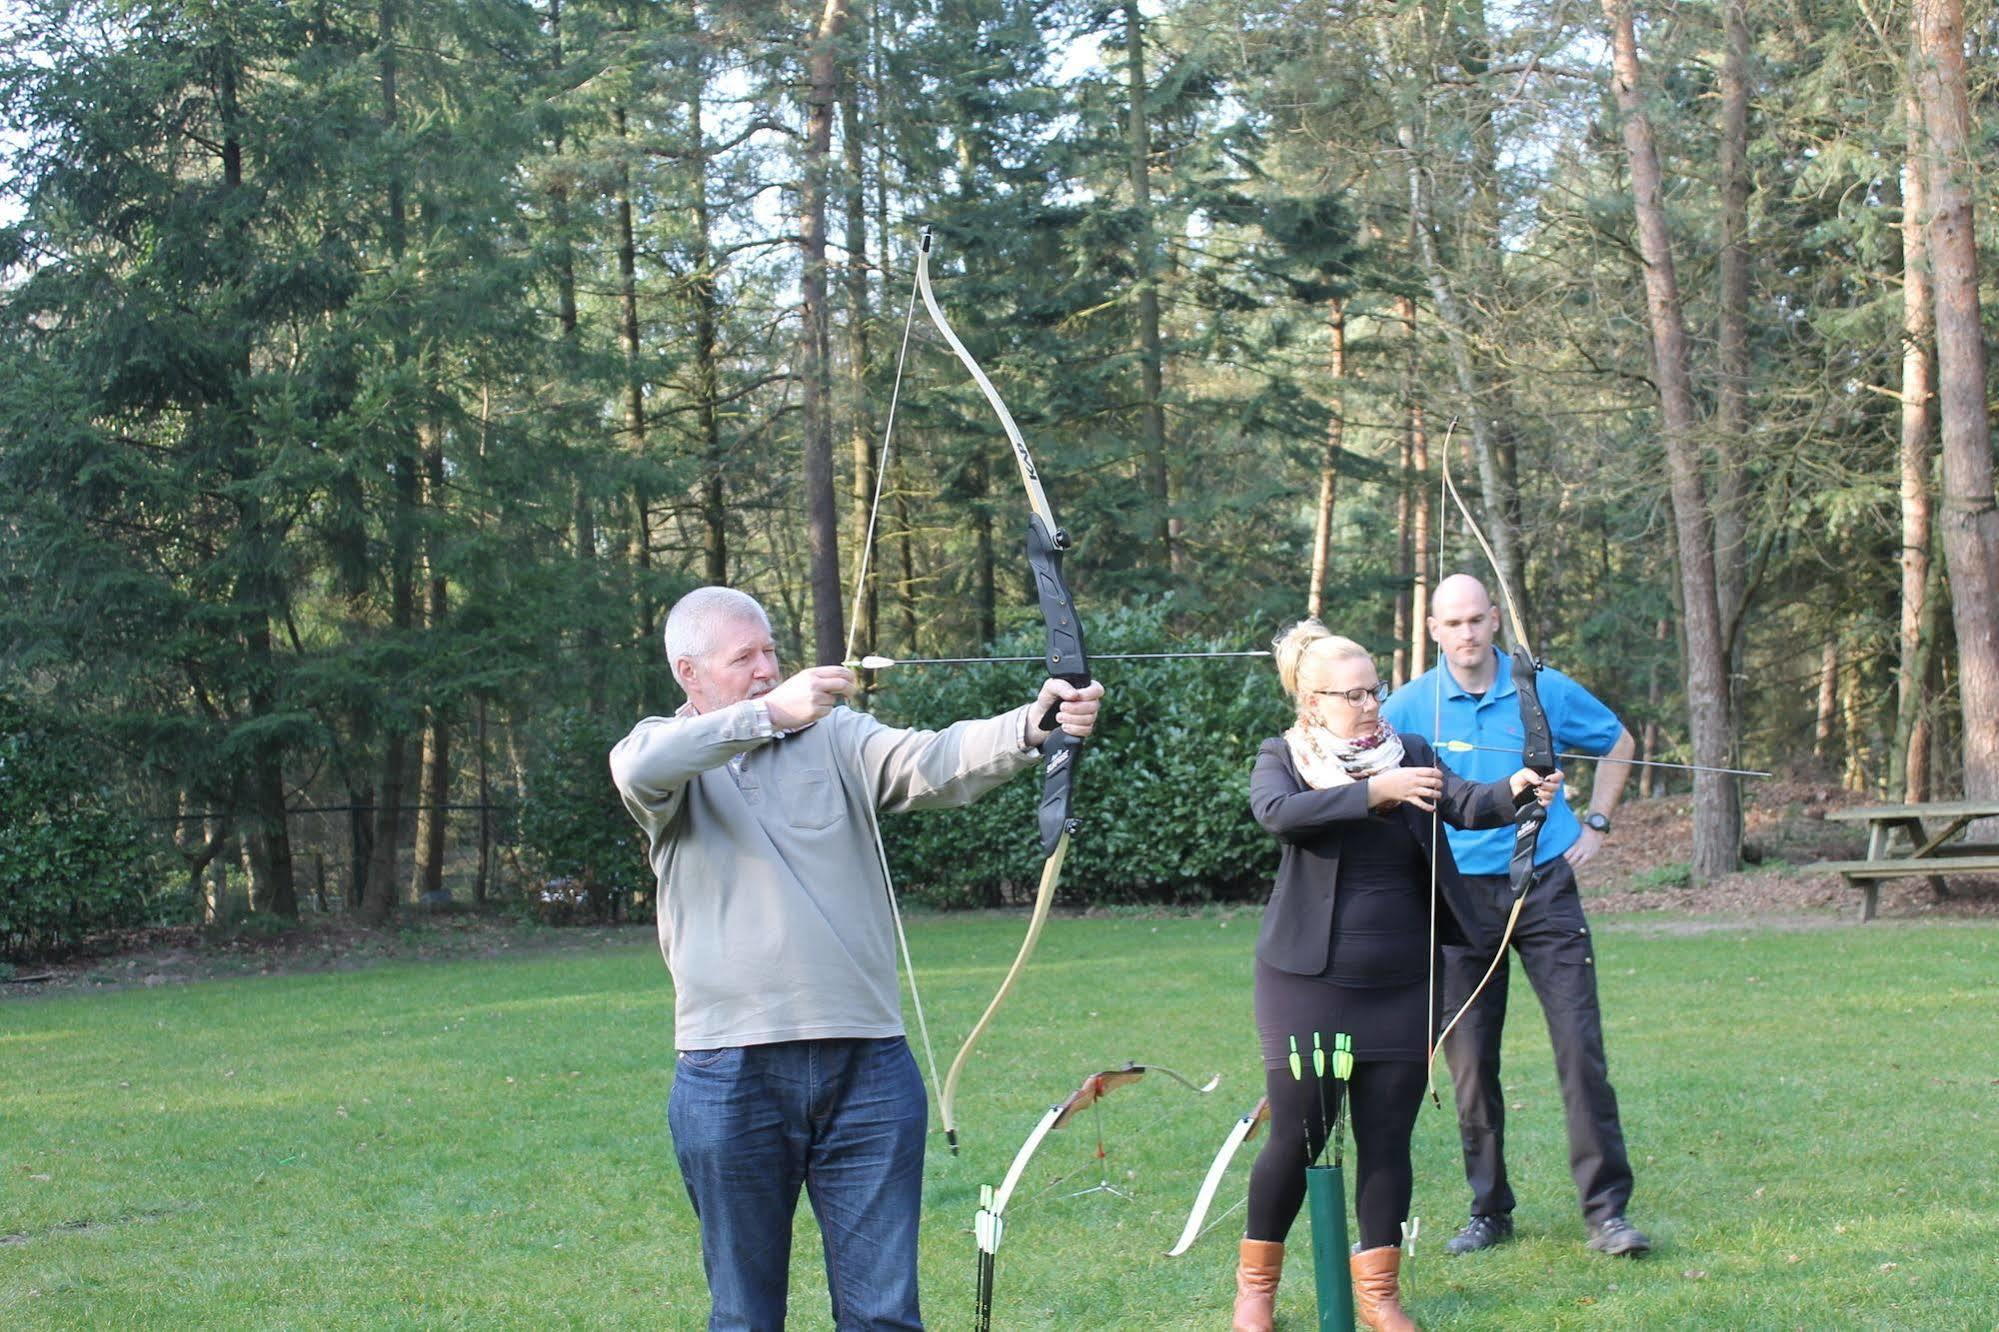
(773, 910)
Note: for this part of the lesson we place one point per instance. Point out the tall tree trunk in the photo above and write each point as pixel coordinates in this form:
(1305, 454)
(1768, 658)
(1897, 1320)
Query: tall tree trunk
(707, 372)
(584, 519)
(1912, 727)
(360, 843)
(1151, 351)
(1717, 809)
(1648, 745)
(1828, 705)
(1859, 761)
(1425, 574)
(1497, 504)
(1405, 557)
(1484, 261)
(822, 510)
(257, 593)
(380, 897)
(1969, 519)
(634, 388)
(1920, 742)
(860, 421)
(905, 535)
(380, 885)
(483, 881)
(434, 770)
(1731, 433)
(1329, 466)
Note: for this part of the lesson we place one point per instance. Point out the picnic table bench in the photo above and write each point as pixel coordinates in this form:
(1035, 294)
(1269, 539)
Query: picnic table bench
(1927, 833)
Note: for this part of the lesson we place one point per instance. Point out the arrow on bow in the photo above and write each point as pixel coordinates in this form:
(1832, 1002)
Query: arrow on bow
(874, 663)
(1467, 747)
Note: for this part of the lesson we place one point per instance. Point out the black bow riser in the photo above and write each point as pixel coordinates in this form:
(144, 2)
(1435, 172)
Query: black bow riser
(1067, 661)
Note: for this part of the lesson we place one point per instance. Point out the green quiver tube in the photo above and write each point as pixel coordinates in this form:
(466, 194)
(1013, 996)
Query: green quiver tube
(1326, 1196)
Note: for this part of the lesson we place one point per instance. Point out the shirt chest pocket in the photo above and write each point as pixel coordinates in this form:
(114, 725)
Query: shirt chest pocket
(812, 799)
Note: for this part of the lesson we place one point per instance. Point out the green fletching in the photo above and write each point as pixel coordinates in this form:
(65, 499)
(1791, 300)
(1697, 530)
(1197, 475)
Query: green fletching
(1297, 1065)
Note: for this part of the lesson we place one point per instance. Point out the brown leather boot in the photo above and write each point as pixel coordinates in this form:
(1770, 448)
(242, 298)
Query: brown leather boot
(1377, 1292)
(1256, 1273)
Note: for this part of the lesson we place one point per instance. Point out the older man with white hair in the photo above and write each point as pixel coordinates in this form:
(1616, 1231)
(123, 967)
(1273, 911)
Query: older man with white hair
(759, 798)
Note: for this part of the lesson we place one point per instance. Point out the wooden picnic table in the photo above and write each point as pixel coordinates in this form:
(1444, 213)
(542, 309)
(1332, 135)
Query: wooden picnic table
(1917, 840)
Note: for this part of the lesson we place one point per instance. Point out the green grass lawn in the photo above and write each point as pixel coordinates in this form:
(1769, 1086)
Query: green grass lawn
(1814, 1117)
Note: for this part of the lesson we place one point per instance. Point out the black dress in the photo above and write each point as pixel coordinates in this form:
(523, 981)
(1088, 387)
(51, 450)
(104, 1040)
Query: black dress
(1346, 942)
(1378, 966)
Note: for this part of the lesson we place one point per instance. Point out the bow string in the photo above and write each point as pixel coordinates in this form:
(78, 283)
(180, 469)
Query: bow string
(1537, 753)
(1066, 659)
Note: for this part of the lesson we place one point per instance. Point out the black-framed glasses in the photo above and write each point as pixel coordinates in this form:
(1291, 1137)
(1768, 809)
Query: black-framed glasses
(1354, 697)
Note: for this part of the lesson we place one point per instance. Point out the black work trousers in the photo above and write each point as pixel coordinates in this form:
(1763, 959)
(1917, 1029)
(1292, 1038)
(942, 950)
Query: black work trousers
(1553, 941)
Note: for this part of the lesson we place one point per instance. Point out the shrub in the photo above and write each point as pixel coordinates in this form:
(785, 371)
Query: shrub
(1162, 792)
(574, 831)
(71, 862)
(1674, 874)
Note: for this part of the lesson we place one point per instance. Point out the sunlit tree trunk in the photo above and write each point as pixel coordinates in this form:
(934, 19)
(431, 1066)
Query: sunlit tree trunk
(379, 886)
(1151, 350)
(1731, 418)
(267, 844)
(634, 386)
(1424, 575)
(1969, 518)
(1912, 727)
(822, 510)
(1329, 465)
(434, 767)
(1717, 811)
(707, 374)
(860, 420)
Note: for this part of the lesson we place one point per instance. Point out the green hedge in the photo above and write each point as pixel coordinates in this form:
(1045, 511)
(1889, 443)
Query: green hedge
(1162, 790)
(587, 858)
(71, 862)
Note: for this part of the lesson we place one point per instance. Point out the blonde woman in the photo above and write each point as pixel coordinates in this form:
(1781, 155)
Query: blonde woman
(1346, 945)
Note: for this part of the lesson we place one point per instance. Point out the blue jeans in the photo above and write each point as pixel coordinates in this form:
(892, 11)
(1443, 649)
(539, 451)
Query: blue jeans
(845, 1118)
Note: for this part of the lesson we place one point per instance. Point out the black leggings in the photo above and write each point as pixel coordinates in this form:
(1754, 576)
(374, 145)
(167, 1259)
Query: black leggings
(1386, 1096)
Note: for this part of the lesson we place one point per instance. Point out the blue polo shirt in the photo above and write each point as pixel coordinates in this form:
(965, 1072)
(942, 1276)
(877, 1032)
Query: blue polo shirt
(1577, 720)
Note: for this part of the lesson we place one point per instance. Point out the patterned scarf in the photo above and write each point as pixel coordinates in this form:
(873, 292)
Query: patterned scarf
(1326, 760)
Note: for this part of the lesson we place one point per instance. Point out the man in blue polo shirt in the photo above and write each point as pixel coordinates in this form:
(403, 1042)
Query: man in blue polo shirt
(1471, 698)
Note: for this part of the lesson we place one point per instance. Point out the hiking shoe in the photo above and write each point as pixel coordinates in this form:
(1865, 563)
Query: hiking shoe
(1482, 1232)
(1616, 1236)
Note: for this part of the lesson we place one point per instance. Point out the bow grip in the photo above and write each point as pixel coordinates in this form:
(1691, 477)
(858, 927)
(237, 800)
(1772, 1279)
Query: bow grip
(1058, 753)
(1537, 753)
(1537, 750)
(1067, 660)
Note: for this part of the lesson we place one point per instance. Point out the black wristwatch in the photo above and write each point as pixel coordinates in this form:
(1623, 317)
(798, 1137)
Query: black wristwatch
(1596, 822)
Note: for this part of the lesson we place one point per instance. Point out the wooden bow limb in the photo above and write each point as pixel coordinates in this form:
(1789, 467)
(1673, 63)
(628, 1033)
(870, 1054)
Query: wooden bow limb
(1537, 753)
(1244, 1129)
(1044, 898)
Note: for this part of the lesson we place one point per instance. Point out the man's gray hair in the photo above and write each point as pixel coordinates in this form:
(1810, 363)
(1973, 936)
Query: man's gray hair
(691, 624)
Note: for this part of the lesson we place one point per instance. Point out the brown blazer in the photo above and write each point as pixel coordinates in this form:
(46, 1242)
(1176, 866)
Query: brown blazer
(1298, 924)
